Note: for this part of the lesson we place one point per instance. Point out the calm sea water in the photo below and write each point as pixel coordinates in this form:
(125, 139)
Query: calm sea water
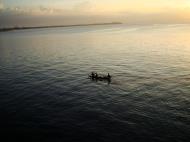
(45, 93)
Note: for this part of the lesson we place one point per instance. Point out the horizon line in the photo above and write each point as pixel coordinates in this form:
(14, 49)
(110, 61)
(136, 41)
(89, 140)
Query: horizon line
(54, 26)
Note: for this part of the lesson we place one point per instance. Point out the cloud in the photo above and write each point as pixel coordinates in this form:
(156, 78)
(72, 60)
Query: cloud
(41, 10)
(9, 11)
(89, 11)
(80, 8)
(83, 6)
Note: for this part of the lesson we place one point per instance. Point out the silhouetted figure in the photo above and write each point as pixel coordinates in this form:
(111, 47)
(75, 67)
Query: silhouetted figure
(96, 75)
(109, 76)
(92, 75)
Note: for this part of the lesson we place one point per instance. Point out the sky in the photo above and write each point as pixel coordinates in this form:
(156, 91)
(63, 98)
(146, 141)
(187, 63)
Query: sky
(55, 12)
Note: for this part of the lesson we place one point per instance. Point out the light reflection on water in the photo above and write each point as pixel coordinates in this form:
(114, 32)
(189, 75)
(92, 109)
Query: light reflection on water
(44, 82)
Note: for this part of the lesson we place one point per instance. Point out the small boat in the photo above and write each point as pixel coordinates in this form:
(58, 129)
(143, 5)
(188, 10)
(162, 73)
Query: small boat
(95, 76)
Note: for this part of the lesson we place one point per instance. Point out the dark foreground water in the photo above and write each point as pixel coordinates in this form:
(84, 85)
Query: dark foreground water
(45, 93)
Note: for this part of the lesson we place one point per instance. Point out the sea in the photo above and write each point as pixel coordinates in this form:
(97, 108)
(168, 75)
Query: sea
(46, 94)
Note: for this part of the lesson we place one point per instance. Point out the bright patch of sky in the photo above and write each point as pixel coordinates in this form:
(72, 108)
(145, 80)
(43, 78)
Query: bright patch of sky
(153, 11)
(101, 5)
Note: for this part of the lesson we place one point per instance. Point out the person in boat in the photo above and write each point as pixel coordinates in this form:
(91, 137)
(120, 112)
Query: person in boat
(109, 76)
(96, 75)
(92, 75)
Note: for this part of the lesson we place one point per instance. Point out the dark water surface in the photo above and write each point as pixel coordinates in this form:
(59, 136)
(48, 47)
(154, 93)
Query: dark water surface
(45, 93)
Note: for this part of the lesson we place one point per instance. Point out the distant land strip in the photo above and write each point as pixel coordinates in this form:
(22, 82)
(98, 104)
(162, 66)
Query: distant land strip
(55, 26)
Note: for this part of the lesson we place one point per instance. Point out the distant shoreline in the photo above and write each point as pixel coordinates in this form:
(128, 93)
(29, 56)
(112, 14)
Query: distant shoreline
(55, 26)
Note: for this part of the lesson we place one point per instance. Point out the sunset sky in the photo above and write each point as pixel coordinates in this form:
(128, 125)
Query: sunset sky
(48, 12)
